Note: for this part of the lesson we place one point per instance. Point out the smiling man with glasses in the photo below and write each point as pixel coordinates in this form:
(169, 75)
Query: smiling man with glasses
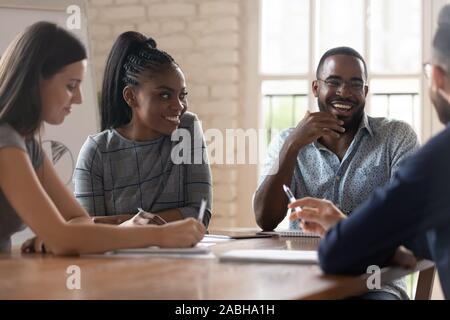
(339, 153)
(413, 210)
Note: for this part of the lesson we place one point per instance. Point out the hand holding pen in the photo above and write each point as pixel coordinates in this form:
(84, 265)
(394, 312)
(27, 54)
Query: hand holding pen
(201, 211)
(143, 218)
(292, 199)
(320, 214)
(152, 218)
(290, 196)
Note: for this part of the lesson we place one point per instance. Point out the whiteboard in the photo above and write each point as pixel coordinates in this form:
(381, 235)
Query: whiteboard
(68, 137)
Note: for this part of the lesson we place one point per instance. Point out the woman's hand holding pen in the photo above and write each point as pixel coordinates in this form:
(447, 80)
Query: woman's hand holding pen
(319, 215)
(182, 233)
(177, 234)
(116, 219)
(143, 218)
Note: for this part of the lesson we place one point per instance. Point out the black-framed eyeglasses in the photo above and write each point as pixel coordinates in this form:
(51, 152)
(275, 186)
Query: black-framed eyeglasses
(427, 68)
(354, 84)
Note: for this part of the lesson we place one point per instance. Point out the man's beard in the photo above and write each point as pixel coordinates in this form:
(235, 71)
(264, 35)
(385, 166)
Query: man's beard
(441, 105)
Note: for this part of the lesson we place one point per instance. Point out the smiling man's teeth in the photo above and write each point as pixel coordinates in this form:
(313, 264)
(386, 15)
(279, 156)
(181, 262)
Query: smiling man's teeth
(174, 119)
(342, 106)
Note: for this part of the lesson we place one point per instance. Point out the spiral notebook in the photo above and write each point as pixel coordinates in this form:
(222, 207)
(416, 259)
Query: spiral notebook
(290, 233)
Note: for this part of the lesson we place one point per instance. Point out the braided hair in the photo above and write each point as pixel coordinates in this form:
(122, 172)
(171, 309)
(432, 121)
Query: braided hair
(132, 57)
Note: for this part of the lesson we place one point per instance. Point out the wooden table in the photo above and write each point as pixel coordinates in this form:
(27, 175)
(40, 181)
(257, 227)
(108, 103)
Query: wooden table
(112, 277)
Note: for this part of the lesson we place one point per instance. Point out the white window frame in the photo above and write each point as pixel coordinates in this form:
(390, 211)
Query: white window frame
(429, 121)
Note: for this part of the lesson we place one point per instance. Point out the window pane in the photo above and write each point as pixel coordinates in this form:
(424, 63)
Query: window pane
(340, 23)
(284, 104)
(396, 99)
(285, 36)
(395, 42)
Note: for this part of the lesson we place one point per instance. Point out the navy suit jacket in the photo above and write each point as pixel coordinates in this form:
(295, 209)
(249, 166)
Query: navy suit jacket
(412, 210)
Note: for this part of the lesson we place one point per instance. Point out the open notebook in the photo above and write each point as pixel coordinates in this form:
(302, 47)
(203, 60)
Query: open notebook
(269, 255)
(290, 233)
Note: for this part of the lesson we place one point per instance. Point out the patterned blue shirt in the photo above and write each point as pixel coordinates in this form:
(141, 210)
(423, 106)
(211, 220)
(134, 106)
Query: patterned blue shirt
(371, 160)
(115, 175)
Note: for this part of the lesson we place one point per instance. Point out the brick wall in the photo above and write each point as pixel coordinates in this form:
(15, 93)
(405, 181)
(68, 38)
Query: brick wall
(204, 38)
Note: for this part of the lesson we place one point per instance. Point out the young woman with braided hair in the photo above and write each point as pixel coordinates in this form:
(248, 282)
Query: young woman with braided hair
(130, 164)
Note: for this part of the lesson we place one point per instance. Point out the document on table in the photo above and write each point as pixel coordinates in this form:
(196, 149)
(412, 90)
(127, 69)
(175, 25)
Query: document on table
(158, 250)
(213, 238)
(198, 252)
(269, 255)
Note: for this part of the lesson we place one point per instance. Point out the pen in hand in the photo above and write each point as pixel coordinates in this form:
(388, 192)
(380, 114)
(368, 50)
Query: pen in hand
(201, 211)
(150, 218)
(291, 198)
